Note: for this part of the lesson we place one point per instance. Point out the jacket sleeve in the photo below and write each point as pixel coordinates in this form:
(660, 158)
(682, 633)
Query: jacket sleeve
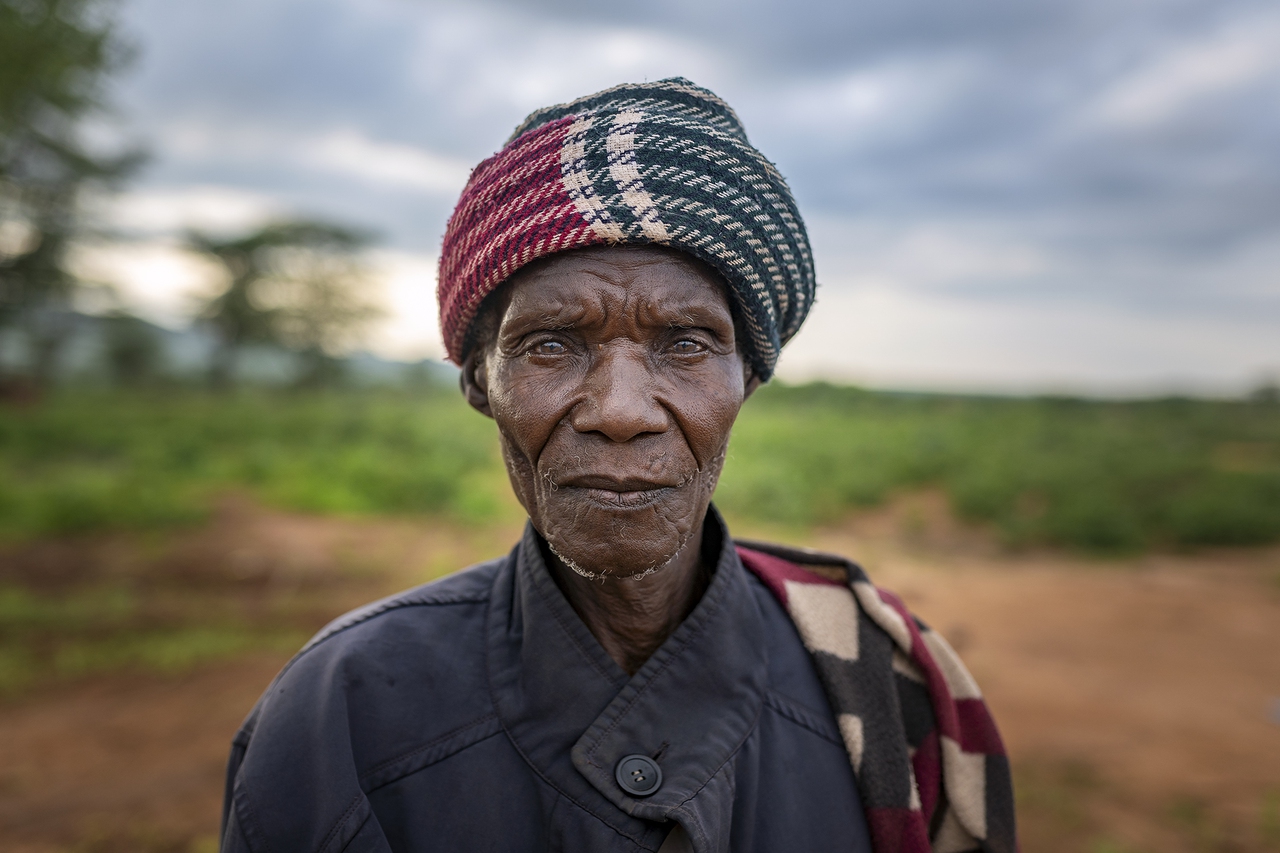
(232, 838)
(292, 782)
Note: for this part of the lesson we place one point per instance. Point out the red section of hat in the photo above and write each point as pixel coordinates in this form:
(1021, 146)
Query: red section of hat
(513, 210)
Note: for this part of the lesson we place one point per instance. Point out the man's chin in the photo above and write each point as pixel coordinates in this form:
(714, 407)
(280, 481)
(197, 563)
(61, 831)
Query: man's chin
(629, 538)
(618, 560)
(618, 549)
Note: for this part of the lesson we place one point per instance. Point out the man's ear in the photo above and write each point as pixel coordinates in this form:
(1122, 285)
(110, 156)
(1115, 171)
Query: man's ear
(750, 382)
(474, 381)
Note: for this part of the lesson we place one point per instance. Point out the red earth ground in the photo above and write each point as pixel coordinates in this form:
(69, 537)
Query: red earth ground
(1140, 698)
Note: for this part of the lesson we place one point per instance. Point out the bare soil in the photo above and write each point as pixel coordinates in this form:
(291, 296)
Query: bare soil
(1139, 698)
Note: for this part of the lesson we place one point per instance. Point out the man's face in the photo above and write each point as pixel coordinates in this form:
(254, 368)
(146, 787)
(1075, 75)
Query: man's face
(614, 377)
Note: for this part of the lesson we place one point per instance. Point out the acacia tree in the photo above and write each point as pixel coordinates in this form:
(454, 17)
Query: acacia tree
(302, 285)
(55, 57)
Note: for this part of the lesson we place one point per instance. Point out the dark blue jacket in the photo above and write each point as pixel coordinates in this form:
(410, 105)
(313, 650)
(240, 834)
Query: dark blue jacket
(478, 713)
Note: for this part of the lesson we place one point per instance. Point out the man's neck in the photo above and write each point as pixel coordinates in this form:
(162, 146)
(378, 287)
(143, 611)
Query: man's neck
(631, 618)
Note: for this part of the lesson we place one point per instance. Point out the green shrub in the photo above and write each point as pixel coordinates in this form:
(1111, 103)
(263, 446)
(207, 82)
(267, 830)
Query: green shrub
(100, 461)
(1098, 475)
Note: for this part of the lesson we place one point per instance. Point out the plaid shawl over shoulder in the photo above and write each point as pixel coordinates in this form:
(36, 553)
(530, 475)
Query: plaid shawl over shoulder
(930, 766)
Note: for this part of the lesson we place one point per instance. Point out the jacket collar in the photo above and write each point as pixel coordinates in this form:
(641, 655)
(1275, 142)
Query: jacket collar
(574, 713)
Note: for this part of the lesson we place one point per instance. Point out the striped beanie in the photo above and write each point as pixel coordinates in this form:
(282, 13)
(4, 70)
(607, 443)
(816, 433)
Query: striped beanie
(664, 163)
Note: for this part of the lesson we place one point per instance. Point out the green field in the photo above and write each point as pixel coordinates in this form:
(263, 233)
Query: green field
(1092, 475)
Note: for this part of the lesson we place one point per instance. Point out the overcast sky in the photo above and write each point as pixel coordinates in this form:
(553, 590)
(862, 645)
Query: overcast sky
(1002, 194)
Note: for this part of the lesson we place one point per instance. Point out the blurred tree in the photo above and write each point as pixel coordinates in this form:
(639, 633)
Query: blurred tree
(1268, 393)
(133, 348)
(55, 56)
(301, 285)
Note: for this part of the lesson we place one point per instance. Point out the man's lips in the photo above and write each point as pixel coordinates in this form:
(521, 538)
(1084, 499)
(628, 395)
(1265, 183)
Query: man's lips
(620, 492)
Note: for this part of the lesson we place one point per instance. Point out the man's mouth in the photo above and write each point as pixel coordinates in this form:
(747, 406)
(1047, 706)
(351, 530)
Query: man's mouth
(619, 493)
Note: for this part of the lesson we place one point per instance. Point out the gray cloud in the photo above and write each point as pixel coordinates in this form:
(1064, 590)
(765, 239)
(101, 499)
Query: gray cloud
(1101, 153)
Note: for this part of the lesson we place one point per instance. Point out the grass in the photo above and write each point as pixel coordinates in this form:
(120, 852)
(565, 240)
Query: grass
(1096, 476)
(1269, 820)
(1092, 475)
(56, 636)
(94, 461)
(1099, 476)
(1067, 805)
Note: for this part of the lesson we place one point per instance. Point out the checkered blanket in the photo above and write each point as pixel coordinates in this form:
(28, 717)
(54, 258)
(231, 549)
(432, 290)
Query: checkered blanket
(930, 766)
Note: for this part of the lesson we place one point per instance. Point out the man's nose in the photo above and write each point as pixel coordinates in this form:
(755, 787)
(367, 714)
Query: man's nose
(619, 397)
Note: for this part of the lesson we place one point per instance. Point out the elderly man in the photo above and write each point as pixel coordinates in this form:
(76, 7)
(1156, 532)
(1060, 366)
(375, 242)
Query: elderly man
(614, 284)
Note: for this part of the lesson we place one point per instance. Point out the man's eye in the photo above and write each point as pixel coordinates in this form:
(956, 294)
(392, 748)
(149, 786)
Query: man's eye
(548, 348)
(687, 346)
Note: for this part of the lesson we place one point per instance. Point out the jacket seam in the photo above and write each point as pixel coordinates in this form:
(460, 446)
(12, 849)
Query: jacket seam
(247, 729)
(250, 828)
(551, 782)
(515, 744)
(428, 745)
(338, 824)
(356, 834)
(751, 729)
(561, 796)
(567, 629)
(466, 744)
(651, 680)
(786, 708)
(365, 618)
(387, 608)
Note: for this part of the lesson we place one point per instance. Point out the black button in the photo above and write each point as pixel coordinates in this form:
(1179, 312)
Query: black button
(638, 775)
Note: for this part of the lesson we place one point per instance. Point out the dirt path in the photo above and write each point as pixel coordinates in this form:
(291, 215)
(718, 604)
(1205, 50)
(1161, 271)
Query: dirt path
(129, 763)
(1140, 700)
(1161, 686)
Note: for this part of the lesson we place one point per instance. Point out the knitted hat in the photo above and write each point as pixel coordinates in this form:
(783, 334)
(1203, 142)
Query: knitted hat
(664, 163)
